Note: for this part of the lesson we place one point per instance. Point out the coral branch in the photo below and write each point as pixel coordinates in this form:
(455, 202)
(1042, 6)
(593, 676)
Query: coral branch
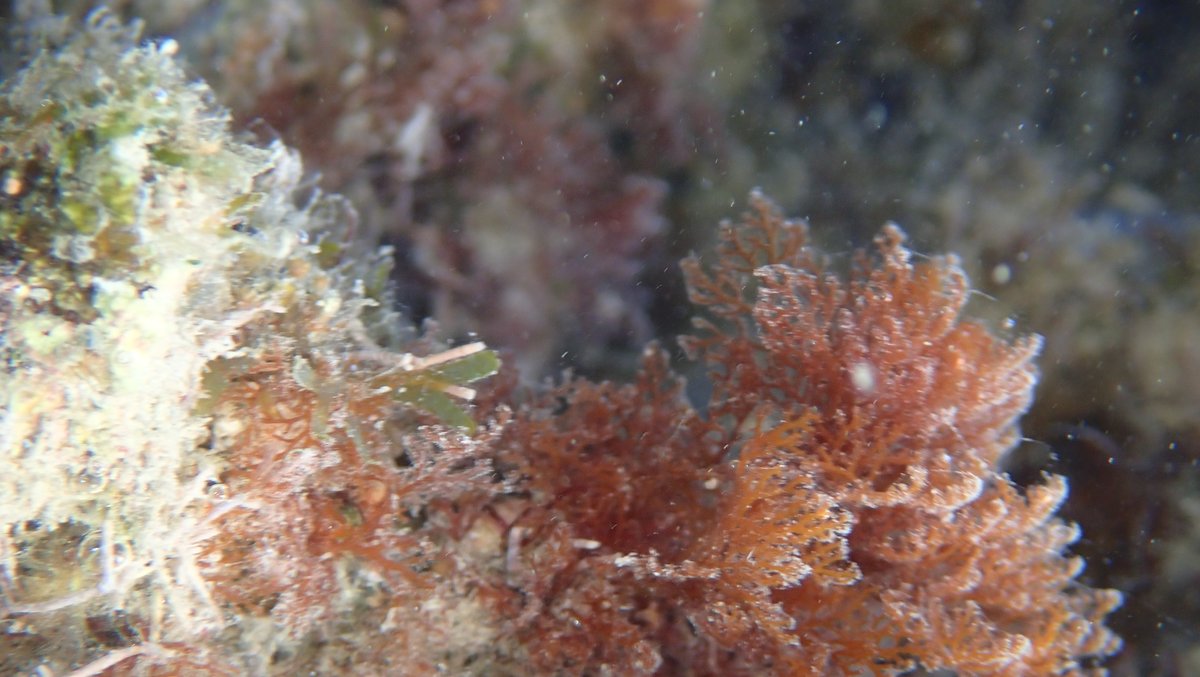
(840, 510)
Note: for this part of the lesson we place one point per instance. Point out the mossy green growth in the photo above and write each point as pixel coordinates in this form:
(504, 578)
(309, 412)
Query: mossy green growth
(78, 172)
(150, 259)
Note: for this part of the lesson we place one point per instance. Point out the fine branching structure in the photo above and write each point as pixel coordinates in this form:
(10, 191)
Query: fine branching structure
(223, 452)
(838, 507)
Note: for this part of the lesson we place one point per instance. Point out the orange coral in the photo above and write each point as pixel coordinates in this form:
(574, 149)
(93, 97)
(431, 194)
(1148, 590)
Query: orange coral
(839, 511)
